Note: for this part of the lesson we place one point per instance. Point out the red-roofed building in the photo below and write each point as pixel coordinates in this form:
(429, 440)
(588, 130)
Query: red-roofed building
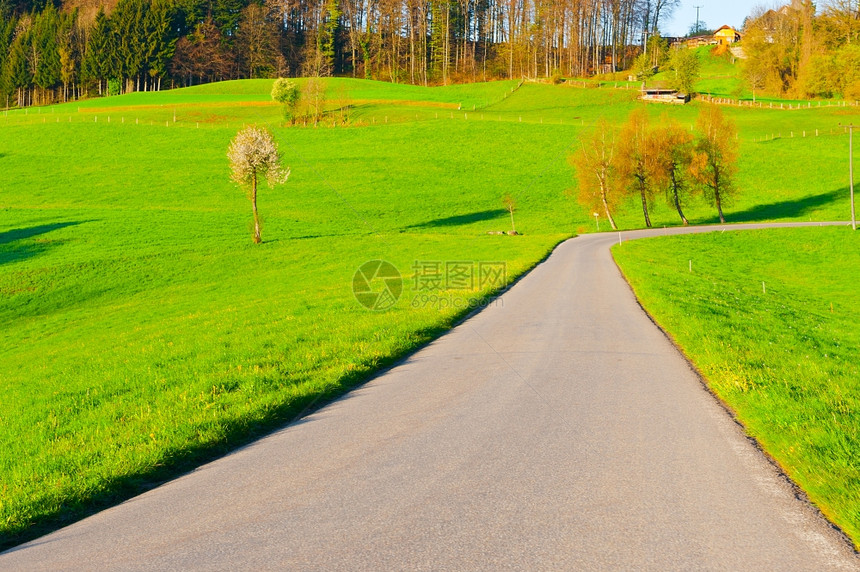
(727, 35)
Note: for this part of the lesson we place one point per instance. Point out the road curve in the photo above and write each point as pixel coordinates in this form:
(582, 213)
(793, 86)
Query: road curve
(556, 430)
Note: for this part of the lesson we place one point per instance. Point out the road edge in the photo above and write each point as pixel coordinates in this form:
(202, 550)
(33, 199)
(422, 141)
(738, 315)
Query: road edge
(799, 493)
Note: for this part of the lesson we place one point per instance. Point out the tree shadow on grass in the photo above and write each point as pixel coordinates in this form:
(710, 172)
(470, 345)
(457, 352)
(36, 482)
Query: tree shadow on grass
(23, 252)
(459, 220)
(10, 252)
(786, 209)
(29, 232)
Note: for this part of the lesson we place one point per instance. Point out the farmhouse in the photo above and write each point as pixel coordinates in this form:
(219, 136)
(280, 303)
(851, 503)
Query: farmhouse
(724, 36)
(727, 35)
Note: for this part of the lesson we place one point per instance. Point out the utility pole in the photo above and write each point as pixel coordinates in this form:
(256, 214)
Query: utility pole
(851, 171)
(697, 18)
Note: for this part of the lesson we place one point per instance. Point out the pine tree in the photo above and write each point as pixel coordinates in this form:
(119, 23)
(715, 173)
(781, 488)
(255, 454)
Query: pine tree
(439, 40)
(68, 50)
(328, 34)
(17, 75)
(128, 31)
(226, 15)
(7, 29)
(45, 50)
(160, 38)
(99, 62)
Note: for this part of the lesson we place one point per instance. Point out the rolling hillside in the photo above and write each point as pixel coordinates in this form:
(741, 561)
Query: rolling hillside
(143, 331)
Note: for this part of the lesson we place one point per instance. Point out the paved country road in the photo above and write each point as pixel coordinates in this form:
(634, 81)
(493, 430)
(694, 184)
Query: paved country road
(558, 429)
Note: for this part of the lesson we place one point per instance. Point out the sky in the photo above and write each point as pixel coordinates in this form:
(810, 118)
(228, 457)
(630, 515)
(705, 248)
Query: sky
(714, 13)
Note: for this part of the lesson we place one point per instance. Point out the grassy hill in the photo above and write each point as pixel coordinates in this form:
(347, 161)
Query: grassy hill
(145, 333)
(721, 76)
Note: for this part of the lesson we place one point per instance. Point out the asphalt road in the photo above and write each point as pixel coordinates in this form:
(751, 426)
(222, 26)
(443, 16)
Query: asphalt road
(558, 429)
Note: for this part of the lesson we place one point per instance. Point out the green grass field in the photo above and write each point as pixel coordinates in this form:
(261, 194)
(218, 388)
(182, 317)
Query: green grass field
(783, 355)
(143, 332)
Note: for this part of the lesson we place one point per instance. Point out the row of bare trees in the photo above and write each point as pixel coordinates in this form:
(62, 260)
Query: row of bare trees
(644, 161)
(440, 41)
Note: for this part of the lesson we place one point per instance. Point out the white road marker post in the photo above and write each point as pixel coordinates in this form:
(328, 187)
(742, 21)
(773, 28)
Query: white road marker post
(851, 172)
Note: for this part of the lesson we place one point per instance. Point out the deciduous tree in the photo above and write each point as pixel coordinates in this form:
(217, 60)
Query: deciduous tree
(638, 158)
(286, 92)
(597, 171)
(674, 154)
(684, 65)
(511, 207)
(715, 156)
(257, 41)
(313, 98)
(200, 55)
(254, 155)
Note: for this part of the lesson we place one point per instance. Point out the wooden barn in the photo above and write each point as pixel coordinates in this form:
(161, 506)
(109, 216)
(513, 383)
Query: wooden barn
(664, 95)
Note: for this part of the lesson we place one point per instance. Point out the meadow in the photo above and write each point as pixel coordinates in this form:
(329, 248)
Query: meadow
(776, 338)
(143, 332)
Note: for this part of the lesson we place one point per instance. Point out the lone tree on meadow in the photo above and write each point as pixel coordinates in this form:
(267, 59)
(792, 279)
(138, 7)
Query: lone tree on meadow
(511, 207)
(597, 171)
(715, 157)
(253, 155)
(286, 92)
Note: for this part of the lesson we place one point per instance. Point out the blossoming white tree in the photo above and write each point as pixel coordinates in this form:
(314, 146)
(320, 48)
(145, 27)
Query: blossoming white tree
(253, 155)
